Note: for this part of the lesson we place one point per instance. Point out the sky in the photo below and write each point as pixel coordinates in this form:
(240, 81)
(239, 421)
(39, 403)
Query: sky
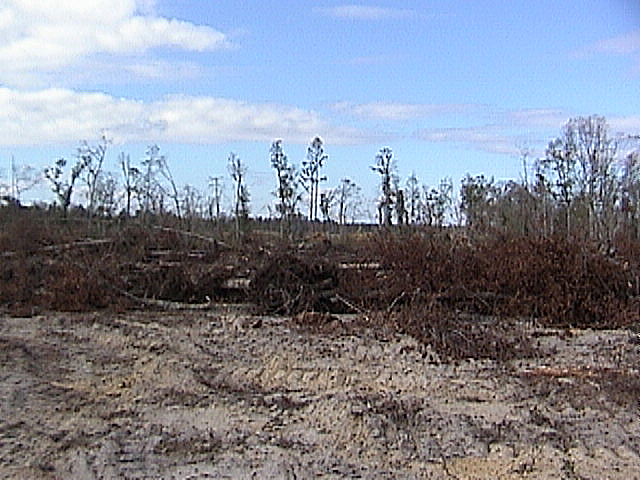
(452, 87)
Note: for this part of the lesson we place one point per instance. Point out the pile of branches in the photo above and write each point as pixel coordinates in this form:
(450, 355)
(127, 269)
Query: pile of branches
(58, 268)
(456, 336)
(555, 281)
(291, 283)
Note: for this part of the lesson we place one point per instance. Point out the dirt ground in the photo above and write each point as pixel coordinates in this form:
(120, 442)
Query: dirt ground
(223, 394)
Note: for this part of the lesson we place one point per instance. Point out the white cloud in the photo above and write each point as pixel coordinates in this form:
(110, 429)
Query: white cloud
(145, 7)
(487, 138)
(544, 118)
(624, 44)
(506, 133)
(367, 60)
(553, 120)
(39, 36)
(53, 116)
(628, 125)
(512, 130)
(157, 69)
(394, 111)
(500, 132)
(365, 12)
(114, 70)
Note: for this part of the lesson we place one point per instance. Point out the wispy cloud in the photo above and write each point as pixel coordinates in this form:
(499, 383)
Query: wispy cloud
(368, 60)
(497, 131)
(40, 37)
(487, 138)
(512, 130)
(366, 12)
(544, 118)
(114, 70)
(393, 111)
(625, 44)
(626, 124)
(63, 116)
(145, 7)
(507, 132)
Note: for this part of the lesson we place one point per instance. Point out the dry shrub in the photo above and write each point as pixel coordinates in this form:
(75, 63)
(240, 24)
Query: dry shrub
(22, 234)
(555, 280)
(20, 277)
(49, 262)
(26, 230)
(289, 284)
(133, 242)
(457, 336)
(167, 282)
(564, 283)
(70, 287)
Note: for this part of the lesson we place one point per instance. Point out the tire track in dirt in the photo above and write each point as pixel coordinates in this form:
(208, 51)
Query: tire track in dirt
(226, 395)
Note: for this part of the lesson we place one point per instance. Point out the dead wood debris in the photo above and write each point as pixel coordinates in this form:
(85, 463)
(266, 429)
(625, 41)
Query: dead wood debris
(288, 284)
(553, 281)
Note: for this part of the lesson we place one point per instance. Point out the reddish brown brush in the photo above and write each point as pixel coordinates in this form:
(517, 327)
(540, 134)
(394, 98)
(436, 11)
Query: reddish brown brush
(553, 280)
(74, 264)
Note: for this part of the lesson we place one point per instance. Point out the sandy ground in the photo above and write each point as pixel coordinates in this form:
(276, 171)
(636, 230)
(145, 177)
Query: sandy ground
(221, 394)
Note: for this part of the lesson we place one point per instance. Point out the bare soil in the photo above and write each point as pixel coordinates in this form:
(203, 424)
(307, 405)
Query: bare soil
(224, 394)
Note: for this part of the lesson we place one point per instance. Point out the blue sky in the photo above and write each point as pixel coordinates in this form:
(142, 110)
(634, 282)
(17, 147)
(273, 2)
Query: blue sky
(451, 86)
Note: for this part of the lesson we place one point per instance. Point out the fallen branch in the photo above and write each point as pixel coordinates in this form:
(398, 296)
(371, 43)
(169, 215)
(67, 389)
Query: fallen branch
(81, 243)
(66, 246)
(576, 372)
(395, 300)
(193, 235)
(164, 304)
(353, 307)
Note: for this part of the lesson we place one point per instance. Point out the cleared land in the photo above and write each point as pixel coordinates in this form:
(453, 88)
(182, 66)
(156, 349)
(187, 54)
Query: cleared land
(380, 354)
(225, 394)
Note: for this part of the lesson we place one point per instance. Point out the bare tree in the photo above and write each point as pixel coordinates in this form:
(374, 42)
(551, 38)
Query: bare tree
(238, 170)
(157, 182)
(543, 199)
(327, 199)
(413, 198)
(192, 201)
(438, 203)
(287, 188)
(61, 187)
(401, 211)
(596, 154)
(23, 178)
(630, 193)
(560, 163)
(346, 192)
(525, 155)
(149, 184)
(514, 208)
(478, 195)
(5, 189)
(131, 176)
(582, 163)
(310, 174)
(105, 198)
(385, 167)
(92, 157)
(169, 186)
(215, 183)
